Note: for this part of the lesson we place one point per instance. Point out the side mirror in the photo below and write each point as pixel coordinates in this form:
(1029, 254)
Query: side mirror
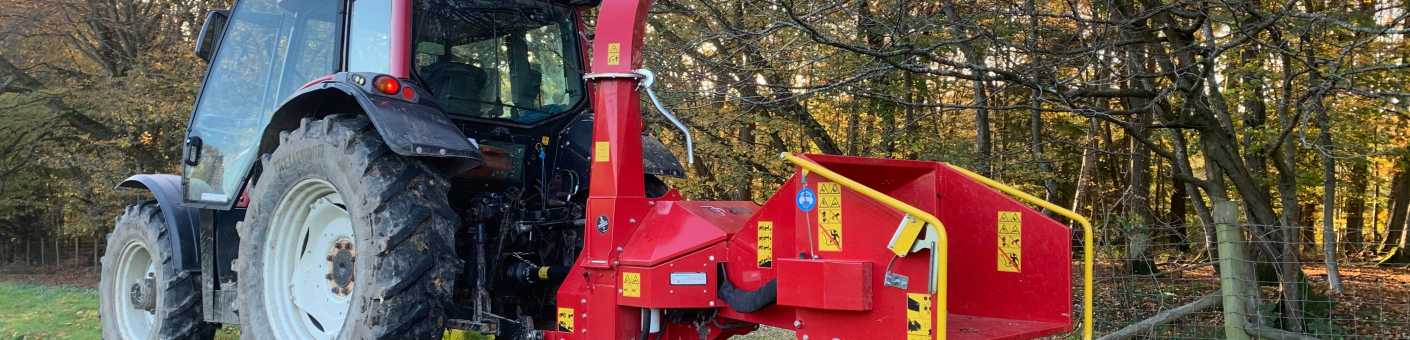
(210, 33)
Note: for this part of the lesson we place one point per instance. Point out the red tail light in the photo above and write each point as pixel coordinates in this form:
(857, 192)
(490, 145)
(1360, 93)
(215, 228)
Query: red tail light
(387, 85)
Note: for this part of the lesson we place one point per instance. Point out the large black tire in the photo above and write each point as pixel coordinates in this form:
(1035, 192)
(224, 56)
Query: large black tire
(406, 263)
(178, 293)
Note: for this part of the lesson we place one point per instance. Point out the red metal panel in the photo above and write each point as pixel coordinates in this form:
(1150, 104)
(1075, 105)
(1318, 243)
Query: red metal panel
(401, 39)
(658, 290)
(824, 284)
(675, 228)
(971, 212)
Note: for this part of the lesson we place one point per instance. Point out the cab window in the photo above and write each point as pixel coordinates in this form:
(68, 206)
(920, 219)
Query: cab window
(513, 61)
(269, 49)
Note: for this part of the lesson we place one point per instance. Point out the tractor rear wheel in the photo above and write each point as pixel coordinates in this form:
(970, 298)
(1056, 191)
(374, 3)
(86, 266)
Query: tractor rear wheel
(144, 296)
(345, 239)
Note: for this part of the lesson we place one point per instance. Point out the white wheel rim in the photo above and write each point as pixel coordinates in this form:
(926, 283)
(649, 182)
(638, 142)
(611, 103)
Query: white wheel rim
(134, 265)
(302, 299)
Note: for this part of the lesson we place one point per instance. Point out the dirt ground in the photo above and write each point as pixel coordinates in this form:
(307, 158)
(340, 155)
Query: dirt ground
(76, 276)
(1375, 304)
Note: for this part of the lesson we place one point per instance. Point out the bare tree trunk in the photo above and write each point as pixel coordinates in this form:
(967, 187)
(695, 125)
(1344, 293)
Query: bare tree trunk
(1356, 206)
(1138, 239)
(1089, 160)
(1329, 197)
(983, 140)
(1393, 246)
(1179, 204)
(1045, 168)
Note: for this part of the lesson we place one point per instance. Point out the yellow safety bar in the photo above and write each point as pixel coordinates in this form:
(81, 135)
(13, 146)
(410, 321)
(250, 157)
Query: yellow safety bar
(1086, 239)
(940, 258)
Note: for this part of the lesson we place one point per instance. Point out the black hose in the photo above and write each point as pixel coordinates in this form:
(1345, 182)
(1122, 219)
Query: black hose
(746, 301)
(645, 324)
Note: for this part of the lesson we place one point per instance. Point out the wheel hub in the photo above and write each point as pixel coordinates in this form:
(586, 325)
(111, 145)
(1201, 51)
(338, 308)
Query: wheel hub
(136, 273)
(141, 294)
(340, 267)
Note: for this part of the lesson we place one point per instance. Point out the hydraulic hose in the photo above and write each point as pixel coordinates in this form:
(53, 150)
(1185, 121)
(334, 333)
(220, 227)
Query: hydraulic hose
(746, 301)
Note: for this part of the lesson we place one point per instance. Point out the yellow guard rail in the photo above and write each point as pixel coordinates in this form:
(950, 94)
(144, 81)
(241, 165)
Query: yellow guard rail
(1086, 239)
(942, 250)
(940, 258)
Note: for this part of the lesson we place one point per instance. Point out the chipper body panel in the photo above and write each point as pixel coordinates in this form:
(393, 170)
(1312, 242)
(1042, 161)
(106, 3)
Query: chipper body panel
(817, 256)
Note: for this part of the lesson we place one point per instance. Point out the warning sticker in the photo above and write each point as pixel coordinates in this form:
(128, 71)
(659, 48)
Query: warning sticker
(602, 152)
(631, 284)
(765, 244)
(614, 53)
(1010, 241)
(565, 319)
(829, 216)
(918, 316)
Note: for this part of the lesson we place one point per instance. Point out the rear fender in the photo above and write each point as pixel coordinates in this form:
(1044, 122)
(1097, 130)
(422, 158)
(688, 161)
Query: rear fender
(181, 221)
(412, 127)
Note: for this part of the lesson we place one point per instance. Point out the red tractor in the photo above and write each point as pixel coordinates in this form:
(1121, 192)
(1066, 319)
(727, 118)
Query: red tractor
(408, 169)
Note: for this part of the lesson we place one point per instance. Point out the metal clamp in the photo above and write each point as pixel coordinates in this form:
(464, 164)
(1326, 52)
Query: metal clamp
(612, 75)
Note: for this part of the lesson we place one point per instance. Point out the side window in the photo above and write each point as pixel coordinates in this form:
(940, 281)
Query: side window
(369, 37)
(269, 49)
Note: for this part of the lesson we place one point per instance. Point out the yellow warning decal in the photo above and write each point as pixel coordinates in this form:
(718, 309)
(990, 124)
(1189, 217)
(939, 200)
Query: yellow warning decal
(602, 152)
(614, 53)
(829, 216)
(765, 244)
(1010, 241)
(455, 334)
(565, 319)
(631, 284)
(919, 316)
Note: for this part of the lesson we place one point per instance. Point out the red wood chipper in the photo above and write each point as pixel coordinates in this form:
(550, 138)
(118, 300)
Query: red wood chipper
(415, 169)
(848, 248)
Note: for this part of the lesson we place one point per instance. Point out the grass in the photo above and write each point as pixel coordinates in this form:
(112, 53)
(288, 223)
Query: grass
(31, 312)
(41, 312)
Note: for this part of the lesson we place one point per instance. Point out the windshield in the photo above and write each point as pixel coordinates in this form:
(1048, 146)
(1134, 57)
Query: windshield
(510, 60)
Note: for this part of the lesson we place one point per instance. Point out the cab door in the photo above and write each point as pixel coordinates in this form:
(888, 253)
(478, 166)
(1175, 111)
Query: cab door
(268, 50)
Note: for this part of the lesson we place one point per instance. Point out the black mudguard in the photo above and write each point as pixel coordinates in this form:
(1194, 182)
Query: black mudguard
(415, 127)
(181, 221)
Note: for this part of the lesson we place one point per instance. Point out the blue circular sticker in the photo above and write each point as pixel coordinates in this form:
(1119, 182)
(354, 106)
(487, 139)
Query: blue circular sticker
(806, 200)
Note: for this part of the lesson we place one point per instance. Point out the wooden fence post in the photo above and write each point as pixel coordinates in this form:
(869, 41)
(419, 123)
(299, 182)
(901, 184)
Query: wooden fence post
(1231, 275)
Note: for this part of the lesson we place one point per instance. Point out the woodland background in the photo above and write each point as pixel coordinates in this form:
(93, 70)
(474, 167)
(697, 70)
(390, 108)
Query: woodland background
(1139, 113)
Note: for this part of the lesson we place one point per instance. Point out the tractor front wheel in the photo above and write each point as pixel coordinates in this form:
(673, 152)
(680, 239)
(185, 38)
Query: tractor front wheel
(345, 239)
(143, 295)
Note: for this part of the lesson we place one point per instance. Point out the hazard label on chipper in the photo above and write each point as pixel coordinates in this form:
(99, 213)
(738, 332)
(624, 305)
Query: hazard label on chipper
(565, 319)
(631, 284)
(765, 244)
(918, 316)
(1010, 241)
(829, 216)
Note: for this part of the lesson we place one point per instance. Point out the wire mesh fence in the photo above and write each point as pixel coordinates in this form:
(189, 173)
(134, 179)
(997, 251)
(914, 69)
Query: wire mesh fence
(1164, 281)
(50, 252)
